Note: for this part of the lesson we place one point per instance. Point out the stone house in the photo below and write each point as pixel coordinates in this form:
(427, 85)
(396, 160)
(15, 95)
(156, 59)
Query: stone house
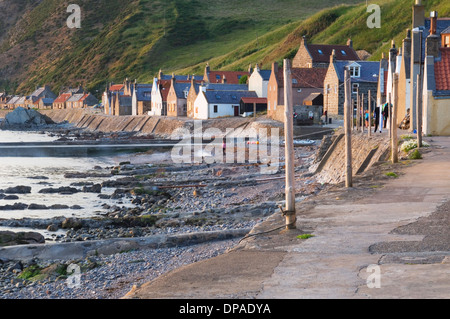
(32, 101)
(75, 101)
(160, 91)
(45, 103)
(364, 78)
(60, 101)
(318, 55)
(11, 102)
(109, 95)
(177, 98)
(141, 99)
(305, 81)
(259, 81)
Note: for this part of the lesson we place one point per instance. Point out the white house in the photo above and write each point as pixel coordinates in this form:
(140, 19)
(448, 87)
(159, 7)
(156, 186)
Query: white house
(160, 89)
(259, 81)
(216, 104)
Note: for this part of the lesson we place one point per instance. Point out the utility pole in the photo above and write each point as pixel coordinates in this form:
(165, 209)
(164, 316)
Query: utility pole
(419, 110)
(369, 106)
(348, 110)
(394, 146)
(289, 147)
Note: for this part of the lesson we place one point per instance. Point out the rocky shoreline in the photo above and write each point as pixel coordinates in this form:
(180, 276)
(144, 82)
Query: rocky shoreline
(155, 197)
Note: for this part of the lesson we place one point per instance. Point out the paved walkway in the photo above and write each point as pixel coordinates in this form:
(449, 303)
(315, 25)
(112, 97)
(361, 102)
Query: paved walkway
(393, 231)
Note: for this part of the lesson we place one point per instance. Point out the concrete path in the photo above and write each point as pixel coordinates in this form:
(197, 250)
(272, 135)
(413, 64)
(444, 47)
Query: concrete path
(384, 238)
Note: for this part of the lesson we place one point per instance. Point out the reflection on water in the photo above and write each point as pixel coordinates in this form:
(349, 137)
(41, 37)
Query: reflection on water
(46, 172)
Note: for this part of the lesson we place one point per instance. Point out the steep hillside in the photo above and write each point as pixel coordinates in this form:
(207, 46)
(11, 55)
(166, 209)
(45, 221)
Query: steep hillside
(132, 38)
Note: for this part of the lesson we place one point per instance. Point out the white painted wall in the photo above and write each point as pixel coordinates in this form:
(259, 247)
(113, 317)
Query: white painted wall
(257, 84)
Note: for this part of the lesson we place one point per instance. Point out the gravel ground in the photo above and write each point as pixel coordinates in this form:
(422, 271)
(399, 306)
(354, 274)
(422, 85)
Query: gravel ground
(106, 277)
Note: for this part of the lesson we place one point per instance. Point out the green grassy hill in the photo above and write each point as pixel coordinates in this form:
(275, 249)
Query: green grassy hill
(136, 38)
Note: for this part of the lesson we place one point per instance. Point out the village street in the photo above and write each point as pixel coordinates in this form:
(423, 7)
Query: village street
(382, 238)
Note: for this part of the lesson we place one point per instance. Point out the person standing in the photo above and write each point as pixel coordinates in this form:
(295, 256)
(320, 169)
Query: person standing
(376, 114)
(385, 114)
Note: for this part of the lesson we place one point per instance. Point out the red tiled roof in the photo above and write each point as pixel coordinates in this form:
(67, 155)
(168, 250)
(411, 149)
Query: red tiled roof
(257, 100)
(322, 52)
(232, 77)
(442, 71)
(116, 87)
(304, 77)
(165, 88)
(62, 98)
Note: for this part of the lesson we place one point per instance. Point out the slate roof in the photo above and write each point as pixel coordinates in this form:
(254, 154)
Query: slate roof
(13, 100)
(47, 100)
(182, 77)
(322, 52)
(442, 71)
(228, 97)
(143, 92)
(20, 100)
(76, 97)
(180, 88)
(226, 87)
(369, 71)
(304, 77)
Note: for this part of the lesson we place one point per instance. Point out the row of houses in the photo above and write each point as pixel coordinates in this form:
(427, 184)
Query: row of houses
(44, 98)
(317, 83)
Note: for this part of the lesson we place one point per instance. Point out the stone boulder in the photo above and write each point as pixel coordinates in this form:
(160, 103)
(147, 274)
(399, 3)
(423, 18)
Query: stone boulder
(9, 238)
(22, 117)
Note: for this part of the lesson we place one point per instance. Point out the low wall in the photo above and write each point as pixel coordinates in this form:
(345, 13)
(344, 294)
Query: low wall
(365, 153)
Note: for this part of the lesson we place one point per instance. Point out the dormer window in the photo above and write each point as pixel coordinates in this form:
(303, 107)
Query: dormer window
(355, 71)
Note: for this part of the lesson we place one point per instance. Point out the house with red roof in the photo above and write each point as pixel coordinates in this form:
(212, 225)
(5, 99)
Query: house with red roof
(225, 77)
(318, 55)
(436, 92)
(60, 102)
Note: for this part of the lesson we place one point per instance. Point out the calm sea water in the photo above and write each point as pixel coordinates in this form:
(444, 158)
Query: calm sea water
(45, 172)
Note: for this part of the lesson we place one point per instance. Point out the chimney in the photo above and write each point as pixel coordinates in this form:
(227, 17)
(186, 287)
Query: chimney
(275, 68)
(333, 56)
(418, 14)
(433, 19)
(250, 70)
(304, 41)
(160, 74)
(407, 45)
(350, 43)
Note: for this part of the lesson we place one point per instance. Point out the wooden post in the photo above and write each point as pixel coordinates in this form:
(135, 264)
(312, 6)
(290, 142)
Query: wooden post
(369, 106)
(348, 111)
(419, 111)
(389, 120)
(357, 110)
(394, 139)
(289, 147)
(254, 110)
(351, 115)
(362, 113)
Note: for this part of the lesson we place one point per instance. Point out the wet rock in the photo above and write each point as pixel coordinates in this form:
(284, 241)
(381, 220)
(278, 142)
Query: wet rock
(16, 206)
(17, 190)
(11, 197)
(97, 188)
(70, 223)
(9, 238)
(22, 117)
(52, 227)
(37, 206)
(61, 190)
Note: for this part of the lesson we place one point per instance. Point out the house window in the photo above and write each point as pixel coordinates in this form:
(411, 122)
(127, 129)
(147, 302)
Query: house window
(294, 81)
(447, 41)
(354, 71)
(215, 109)
(355, 87)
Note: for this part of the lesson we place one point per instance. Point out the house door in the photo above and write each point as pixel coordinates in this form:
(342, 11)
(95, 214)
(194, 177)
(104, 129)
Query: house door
(236, 110)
